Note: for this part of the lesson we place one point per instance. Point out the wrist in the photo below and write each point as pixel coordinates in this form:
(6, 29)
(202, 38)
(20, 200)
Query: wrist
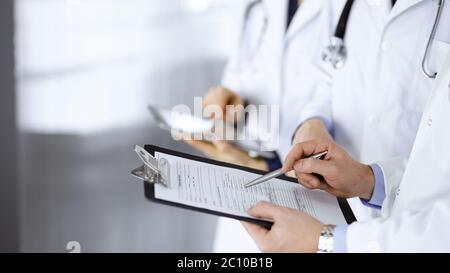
(368, 181)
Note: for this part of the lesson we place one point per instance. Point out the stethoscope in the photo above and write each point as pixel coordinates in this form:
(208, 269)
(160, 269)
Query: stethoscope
(336, 52)
(251, 52)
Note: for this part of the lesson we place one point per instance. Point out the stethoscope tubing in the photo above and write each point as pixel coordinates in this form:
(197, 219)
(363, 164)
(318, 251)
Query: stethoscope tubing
(432, 75)
(341, 30)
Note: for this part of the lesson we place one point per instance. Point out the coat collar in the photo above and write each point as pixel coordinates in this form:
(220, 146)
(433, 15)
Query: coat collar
(401, 6)
(277, 13)
(307, 11)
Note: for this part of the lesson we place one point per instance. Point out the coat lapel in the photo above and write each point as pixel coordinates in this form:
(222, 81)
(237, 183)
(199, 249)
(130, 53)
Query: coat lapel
(277, 14)
(308, 10)
(402, 6)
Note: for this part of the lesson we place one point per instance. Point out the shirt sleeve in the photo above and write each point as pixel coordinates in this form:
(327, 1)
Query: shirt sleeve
(340, 239)
(379, 193)
(320, 78)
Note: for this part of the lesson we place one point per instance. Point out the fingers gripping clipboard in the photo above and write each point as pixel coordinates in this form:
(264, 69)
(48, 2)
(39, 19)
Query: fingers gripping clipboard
(208, 186)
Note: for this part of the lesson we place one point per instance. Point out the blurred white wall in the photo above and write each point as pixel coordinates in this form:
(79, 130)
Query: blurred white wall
(86, 66)
(86, 70)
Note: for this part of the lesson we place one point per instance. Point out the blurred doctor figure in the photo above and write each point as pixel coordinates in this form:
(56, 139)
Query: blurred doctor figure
(374, 103)
(414, 204)
(270, 66)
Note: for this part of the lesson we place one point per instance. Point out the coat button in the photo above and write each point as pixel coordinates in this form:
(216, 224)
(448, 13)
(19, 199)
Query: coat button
(397, 192)
(430, 122)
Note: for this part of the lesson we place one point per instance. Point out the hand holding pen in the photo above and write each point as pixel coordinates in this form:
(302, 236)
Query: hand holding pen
(338, 173)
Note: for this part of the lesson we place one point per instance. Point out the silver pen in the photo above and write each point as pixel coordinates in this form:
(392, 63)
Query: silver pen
(279, 172)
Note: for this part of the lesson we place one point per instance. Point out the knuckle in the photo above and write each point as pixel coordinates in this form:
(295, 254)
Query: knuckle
(304, 181)
(314, 182)
(298, 145)
(303, 177)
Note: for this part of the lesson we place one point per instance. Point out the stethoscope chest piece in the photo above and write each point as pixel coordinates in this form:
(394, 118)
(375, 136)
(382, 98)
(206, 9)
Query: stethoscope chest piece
(335, 53)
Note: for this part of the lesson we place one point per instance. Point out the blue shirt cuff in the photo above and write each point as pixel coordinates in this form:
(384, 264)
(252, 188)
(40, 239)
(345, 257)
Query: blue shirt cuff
(274, 163)
(340, 239)
(379, 193)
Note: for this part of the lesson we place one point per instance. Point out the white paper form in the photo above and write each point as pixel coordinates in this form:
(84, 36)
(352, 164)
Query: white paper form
(221, 189)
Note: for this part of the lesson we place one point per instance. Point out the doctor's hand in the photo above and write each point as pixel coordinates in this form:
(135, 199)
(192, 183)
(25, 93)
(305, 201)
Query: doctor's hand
(221, 97)
(292, 231)
(222, 150)
(338, 173)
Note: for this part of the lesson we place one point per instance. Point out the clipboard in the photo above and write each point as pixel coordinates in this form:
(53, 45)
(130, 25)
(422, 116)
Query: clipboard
(157, 171)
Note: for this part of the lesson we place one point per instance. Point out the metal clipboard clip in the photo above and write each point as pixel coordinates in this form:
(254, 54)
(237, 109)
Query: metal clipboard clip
(154, 170)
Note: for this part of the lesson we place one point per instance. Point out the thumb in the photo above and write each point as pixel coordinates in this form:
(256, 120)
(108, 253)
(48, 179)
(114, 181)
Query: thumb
(265, 210)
